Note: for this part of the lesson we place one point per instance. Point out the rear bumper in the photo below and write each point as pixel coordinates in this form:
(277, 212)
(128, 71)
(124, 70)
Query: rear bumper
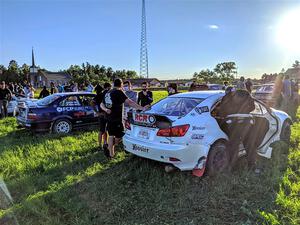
(188, 154)
(37, 126)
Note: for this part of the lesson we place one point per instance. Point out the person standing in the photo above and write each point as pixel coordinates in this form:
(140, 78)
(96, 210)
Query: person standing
(90, 87)
(113, 104)
(53, 89)
(5, 97)
(172, 89)
(286, 93)
(249, 85)
(225, 85)
(44, 93)
(241, 84)
(100, 93)
(238, 124)
(30, 92)
(130, 94)
(145, 97)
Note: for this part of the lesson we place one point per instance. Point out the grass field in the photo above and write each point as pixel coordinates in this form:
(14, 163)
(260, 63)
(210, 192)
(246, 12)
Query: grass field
(65, 180)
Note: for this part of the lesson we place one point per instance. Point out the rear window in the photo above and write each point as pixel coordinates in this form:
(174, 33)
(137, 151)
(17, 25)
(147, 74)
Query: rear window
(48, 100)
(175, 106)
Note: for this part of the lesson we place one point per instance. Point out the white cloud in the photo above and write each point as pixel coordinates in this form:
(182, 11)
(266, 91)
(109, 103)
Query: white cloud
(213, 26)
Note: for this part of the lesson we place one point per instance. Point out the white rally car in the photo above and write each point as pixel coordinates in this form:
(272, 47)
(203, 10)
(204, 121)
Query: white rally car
(182, 130)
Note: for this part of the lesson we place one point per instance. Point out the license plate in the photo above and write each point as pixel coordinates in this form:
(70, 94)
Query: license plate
(144, 134)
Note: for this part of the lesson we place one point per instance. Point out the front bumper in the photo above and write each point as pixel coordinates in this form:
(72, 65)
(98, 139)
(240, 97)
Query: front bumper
(188, 154)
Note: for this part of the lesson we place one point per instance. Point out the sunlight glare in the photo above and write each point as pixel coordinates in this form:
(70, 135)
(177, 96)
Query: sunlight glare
(288, 32)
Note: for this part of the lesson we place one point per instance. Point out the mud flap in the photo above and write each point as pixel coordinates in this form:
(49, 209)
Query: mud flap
(199, 169)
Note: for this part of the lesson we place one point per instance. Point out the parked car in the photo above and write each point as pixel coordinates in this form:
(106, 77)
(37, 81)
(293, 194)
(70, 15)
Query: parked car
(215, 87)
(265, 93)
(58, 113)
(12, 108)
(16, 102)
(182, 130)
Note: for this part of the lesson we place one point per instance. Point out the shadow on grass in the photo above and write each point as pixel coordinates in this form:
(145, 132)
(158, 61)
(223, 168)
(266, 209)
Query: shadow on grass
(132, 190)
(20, 137)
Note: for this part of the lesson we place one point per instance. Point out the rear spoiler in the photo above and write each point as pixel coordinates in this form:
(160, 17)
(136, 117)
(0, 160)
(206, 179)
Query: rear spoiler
(149, 120)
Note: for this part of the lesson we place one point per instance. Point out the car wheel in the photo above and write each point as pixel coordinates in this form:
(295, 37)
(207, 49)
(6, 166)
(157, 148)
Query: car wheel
(62, 126)
(286, 132)
(218, 159)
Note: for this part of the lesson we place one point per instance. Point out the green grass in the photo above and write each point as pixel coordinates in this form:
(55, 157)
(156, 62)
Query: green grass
(65, 180)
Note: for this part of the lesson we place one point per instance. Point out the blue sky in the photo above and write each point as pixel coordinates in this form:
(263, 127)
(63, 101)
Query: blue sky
(184, 36)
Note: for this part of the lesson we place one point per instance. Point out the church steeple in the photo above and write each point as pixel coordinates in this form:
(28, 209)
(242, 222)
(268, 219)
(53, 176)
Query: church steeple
(33, 68)
(32, 58)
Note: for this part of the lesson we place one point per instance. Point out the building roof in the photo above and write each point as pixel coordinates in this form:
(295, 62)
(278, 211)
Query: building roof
(293, 72)
(56, 75)
(139, 81)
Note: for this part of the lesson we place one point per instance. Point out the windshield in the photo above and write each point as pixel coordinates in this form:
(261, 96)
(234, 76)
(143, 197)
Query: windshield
(175, 106)
(266, 88)
(47, 100)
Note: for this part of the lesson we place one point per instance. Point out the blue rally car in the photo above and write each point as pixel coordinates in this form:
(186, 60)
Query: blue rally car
(59, 113)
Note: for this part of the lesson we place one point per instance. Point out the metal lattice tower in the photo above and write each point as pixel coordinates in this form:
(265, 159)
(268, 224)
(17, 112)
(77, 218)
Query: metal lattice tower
(143, 50)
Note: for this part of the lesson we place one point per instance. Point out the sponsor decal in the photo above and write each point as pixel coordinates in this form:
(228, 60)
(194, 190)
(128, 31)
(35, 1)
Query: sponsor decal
(197, 136)
(198, 128)
(144, 118)
(202, 109)
(69, 109)
(139, 148)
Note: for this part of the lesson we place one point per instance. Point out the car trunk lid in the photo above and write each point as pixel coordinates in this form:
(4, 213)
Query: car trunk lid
(144, 126)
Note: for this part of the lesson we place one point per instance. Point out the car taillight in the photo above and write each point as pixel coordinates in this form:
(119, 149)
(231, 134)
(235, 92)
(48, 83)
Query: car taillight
(31, 116)
(177, 131)
(127, 125)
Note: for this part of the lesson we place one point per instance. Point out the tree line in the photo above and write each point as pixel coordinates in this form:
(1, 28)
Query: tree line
(225, 71)
(79, 74)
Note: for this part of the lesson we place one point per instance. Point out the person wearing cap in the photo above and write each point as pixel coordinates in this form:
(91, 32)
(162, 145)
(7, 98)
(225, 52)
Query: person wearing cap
(5, 97)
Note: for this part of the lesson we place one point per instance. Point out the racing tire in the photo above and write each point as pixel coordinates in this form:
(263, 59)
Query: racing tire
(218, 159)
(285, 134)
(62, 126)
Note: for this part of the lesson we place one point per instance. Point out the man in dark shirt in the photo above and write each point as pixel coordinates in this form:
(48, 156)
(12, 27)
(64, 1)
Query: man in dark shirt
(113, 105)
(44, 93)
(145, 97)
(237, 122)
(101, 114)
(5, 97)
(249, 85)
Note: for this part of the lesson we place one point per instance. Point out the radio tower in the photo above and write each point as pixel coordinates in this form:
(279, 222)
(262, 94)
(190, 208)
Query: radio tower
(143, 50)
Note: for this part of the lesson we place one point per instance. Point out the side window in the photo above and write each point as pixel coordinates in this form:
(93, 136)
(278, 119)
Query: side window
(86, 100)
(70, 101)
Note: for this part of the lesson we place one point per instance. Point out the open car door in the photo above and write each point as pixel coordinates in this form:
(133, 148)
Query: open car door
(266, 126)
